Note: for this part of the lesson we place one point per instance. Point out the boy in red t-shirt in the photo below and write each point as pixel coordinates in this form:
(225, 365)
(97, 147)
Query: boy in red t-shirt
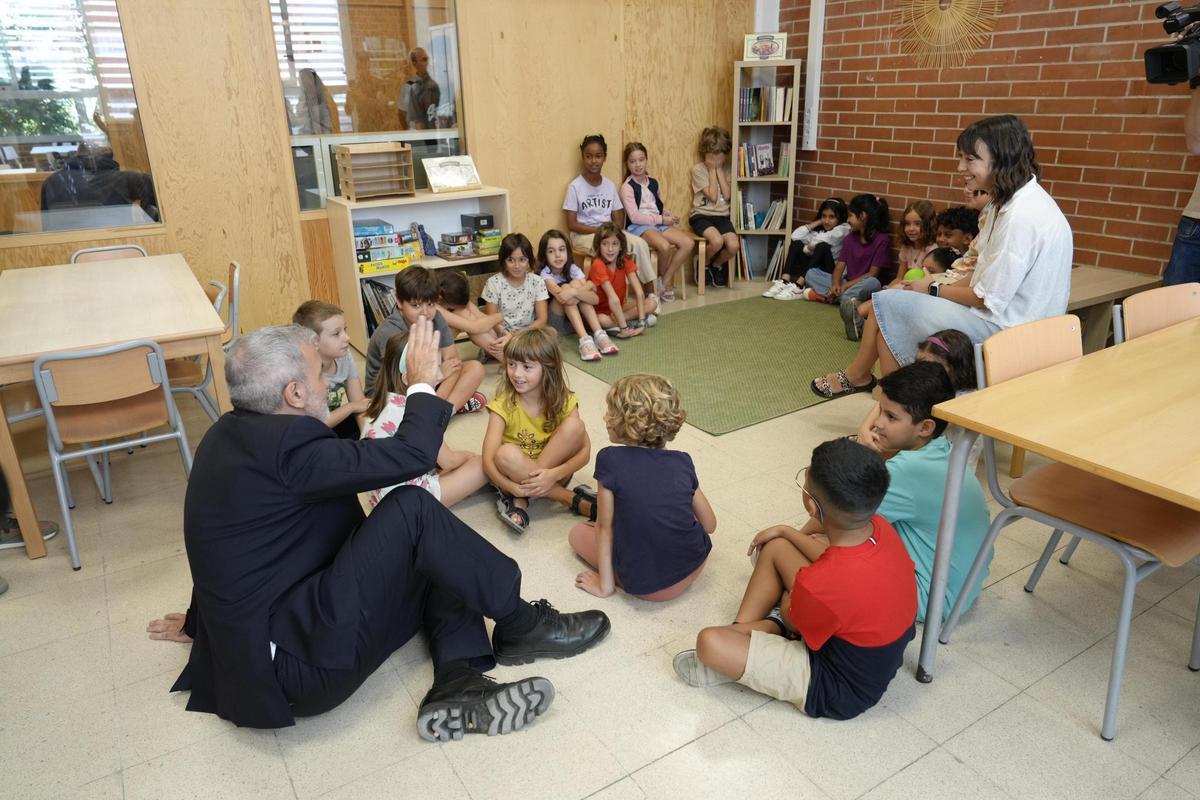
(612, 272)
(849, 592)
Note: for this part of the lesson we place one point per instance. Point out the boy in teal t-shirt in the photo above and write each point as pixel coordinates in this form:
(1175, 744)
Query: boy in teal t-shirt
(913, 503)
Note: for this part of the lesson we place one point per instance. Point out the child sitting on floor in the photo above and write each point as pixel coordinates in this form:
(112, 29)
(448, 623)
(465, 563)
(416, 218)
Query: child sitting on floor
(843, 582)
(572, 298)
(937, 262)
(535, 440)
(343, 389)
(613, 273)
(458, 473)
(918, 235)
(455, 306)
(516, 291)
(866, 259)
(651, 535)
(416, 296)
(817, 244)
(906, 428)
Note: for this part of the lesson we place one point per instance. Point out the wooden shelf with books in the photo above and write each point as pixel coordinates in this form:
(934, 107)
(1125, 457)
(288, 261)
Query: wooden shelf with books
(766, 118)
(367, 296)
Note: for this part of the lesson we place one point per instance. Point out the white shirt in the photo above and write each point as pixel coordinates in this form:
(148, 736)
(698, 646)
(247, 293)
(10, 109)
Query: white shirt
(1024, 268)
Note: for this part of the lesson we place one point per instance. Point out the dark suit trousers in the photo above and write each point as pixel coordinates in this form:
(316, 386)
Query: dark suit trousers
(415, 567)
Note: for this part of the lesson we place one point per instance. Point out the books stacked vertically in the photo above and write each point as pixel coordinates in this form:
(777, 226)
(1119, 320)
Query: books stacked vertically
(769, 220)
(775, 264)
(378, 302)
(765, 104)
(756, 160)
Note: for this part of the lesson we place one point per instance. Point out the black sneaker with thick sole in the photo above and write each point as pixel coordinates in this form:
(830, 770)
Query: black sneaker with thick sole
(556, 635)
(477, 704)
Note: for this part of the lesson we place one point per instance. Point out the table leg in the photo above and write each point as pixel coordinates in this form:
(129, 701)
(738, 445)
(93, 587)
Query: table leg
(35, 547)
(216, 357)
(936, 604)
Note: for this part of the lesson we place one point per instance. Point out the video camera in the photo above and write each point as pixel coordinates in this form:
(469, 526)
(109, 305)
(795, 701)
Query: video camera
(1179, 61)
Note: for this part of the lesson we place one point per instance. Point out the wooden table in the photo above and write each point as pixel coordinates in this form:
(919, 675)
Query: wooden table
(96, 304)
(1126, 413)
(1093, 292)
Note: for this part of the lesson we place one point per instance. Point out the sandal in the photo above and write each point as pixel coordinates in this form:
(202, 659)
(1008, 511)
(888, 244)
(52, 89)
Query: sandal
(584, 494)
(822, 387)
(506, 506)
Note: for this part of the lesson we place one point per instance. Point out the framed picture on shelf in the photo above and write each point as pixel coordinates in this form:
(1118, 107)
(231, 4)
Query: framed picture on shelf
(451, 174)
(765, 47)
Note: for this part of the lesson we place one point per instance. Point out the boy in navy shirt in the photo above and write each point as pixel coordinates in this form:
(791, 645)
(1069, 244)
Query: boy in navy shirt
(849, 598)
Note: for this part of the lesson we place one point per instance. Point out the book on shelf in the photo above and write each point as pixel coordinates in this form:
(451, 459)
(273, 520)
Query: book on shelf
(765, 104)
(764, 160)
(775, 265)
(379, 301)
(784, 159)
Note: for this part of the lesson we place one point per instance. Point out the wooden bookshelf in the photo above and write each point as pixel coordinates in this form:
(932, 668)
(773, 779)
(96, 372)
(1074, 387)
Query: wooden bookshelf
(439, 213)
(759, 189)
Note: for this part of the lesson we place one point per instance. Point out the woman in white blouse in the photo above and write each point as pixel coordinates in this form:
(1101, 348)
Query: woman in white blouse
(1023, 272)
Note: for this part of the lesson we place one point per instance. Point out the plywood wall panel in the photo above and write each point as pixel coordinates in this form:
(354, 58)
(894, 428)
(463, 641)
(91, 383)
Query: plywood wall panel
(211, 106)
(318, 258)
(678, 72)
(537, 77)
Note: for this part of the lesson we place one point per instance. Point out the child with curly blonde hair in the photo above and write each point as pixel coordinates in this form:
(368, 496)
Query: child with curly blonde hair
(651, 534)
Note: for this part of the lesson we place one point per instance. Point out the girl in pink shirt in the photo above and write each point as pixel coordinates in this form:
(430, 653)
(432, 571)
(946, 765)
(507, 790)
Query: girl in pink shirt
(647, 217)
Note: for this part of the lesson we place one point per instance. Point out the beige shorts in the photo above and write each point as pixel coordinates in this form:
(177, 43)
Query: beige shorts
(778, 667)
(635, 246)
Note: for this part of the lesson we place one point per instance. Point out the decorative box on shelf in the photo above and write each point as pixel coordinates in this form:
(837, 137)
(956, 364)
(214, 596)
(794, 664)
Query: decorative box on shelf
(379, 169)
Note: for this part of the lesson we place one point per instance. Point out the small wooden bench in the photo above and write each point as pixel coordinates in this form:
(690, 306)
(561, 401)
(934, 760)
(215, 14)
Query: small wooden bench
(1093, 292)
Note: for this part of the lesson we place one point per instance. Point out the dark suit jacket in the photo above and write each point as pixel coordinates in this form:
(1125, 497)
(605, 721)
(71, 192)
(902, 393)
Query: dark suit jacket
(270, 501)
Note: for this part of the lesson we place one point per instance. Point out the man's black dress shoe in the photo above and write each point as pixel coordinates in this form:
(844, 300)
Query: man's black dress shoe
(555, 635)
(474, 703)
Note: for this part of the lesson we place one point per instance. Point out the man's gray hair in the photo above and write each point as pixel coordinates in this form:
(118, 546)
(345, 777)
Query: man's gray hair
(263, 362)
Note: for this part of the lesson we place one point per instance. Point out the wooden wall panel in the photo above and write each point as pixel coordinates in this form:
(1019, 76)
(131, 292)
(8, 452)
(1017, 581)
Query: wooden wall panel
(59, 252)
(537, 77)
(211, 105)
(678, 72)
(318, 259)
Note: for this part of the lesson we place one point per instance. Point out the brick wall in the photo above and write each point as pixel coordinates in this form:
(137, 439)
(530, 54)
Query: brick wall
(1111, 146)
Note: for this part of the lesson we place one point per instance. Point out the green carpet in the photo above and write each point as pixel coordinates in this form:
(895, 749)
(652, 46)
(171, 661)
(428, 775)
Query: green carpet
(735, 364)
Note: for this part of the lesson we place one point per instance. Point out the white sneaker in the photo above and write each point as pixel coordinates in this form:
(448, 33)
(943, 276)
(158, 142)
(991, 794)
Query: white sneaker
(688, 667)
(651, 320)
(790, 292)
(774, 289)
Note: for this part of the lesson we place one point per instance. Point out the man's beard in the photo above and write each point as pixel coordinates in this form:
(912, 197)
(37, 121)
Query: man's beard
(315, 404)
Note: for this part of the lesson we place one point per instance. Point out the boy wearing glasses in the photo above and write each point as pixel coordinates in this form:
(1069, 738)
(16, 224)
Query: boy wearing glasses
(849, 598)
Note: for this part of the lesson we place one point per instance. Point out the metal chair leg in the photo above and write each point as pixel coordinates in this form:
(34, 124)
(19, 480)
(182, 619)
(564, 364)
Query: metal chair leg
(1047, 551)
(106, 472)
(1194, 663)
(1070, 551)
(97, 476)
(1120, 647)
(62, 489)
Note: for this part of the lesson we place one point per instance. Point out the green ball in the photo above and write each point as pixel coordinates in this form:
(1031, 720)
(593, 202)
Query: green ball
(914, 274)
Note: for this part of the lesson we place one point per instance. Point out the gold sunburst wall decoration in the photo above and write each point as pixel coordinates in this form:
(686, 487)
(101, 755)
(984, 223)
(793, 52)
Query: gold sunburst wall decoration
(944, 33)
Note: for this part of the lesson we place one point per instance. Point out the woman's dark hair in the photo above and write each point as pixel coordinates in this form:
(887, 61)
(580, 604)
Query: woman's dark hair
(917, 388)
(874, 212)
(851, 478)
(1008, 142)
(453, 288)
(956, 351)
(548, 237)
(944, 257)
(594, 138)
(511, 244)
(835, 204)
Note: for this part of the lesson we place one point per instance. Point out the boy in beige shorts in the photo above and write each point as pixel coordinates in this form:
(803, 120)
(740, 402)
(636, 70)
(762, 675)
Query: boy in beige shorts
(847, 590)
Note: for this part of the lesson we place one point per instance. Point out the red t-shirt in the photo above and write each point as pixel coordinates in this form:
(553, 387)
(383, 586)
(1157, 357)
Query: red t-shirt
(599, 273)
(855, 608)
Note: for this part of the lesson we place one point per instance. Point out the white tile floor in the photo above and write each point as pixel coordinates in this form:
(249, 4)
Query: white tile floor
(1014, 710)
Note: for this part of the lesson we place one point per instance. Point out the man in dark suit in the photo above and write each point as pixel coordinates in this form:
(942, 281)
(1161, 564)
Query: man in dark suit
(297, 598)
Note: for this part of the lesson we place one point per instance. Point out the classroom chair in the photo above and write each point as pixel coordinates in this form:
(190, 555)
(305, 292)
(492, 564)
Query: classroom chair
(1144, 532)
(110, 253)
(1147, 312)
(114, 396)
(194, 375)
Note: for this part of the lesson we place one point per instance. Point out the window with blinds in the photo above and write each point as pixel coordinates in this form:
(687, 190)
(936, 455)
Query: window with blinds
(72, 153)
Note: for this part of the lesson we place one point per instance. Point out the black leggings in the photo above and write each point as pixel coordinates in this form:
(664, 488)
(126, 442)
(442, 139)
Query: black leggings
(800, 262)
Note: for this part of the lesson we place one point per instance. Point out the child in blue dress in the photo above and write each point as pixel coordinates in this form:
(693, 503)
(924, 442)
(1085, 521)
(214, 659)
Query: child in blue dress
(651, 534)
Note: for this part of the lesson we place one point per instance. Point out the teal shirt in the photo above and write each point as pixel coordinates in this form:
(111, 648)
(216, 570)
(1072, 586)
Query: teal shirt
(913, 504)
